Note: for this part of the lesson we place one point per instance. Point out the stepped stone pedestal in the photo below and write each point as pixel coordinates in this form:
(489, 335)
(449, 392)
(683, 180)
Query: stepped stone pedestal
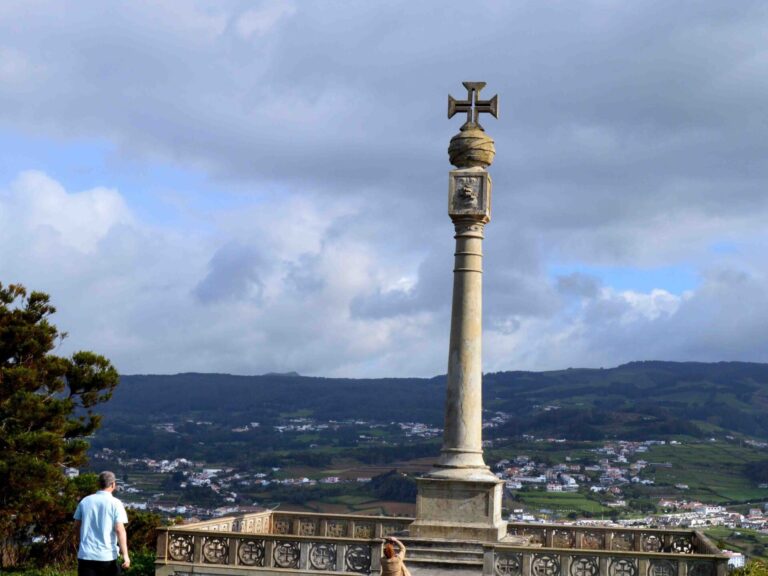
(459, 509)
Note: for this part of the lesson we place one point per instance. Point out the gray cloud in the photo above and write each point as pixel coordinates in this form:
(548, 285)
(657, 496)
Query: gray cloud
(234, 274)
(631, 135)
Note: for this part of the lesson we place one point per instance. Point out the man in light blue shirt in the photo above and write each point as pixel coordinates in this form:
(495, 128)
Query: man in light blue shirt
(102, 519)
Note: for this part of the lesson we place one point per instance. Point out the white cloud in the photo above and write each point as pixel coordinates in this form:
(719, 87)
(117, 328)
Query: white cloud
(261, 20)
(624, 140)
(38, 207)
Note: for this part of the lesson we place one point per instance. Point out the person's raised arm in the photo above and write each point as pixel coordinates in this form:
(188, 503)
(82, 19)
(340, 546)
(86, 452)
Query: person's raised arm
(122, 541)
(400, 554)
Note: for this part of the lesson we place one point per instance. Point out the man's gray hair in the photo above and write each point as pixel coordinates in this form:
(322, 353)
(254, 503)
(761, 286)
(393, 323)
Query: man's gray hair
(106, 479)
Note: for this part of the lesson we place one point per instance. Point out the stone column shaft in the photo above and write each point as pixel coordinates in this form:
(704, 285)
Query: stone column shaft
(462, 438)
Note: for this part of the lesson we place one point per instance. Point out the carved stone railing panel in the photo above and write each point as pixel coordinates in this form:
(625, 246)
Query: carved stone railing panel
(624, 541)
(682, 545)
(255, 525)
(358, 558)
(662, 568)
(281, 526)
(387, 529)
(536, 535)
(322, 556)
(215, 550)
(181, 547)
(251, 552)
(508, 564)
(563, 538)
(651, 543)
(545, 565)
(622, 567)
(591, 540)
(364, 530)
(337, 528)
(309, 527)
(584, 566)
(287, 554)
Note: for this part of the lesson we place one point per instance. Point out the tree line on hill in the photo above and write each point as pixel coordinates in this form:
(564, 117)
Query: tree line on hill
(639, 400)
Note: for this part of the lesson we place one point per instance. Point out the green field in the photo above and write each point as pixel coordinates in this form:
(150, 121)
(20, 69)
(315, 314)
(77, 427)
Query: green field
(560, 502)
(750, 542)
(714, 471)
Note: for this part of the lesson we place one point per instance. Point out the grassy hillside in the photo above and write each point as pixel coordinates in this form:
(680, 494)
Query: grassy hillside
(640, 400)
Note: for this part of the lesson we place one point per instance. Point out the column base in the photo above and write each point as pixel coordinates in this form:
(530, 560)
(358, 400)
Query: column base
(459, 508)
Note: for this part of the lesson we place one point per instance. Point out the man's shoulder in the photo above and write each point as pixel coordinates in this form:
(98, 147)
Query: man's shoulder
(89, 499)
(96, 499)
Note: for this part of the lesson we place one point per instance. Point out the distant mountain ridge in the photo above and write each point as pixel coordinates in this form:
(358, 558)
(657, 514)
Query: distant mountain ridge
(639, 400)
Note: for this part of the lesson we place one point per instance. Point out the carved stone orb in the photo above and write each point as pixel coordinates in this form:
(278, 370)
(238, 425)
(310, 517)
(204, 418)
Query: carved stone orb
(470, 148)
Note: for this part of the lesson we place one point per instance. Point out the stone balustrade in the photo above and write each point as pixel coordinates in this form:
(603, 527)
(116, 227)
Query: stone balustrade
(188, 550)
(615, 539)
(503, 560)
(291, 542)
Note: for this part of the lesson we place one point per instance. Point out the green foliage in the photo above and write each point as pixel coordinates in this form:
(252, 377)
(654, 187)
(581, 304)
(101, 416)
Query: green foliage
(752, 568)
(142, 564)
(758, 471)
(393, 485)
(142, 531)
(46, 413)
(51, 570)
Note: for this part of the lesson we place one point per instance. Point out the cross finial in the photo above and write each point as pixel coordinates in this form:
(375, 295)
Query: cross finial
(473, 106)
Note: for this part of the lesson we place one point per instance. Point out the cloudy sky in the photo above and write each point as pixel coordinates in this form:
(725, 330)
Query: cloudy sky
(252, 186)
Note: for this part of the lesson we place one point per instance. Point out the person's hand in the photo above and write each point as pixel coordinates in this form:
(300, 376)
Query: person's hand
(126, 563)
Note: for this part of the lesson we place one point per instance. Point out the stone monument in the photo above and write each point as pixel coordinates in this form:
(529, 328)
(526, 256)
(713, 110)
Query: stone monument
(458, 530)
(460, 498)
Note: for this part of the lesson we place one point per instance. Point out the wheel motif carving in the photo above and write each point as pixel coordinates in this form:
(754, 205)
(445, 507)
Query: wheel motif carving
(623, 541)
(358, 558)
(251, 553)
(181, 548)
(652, 543)
(584, 566)
(622, 567)
(661, 568)
(592, 541)
(323, 556)
(337, 529)
(287, 555)
(509, 565)
(700, 569)
(545, 565)
(682, 545)
(215, 550)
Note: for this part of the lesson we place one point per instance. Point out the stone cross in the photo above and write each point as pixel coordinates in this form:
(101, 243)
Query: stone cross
(473, 106)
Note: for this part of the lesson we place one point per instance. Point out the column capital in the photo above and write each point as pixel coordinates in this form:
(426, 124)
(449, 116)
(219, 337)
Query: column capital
(468, 227)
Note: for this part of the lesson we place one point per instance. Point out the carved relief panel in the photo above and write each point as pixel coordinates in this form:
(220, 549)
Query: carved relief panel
(469, 193)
